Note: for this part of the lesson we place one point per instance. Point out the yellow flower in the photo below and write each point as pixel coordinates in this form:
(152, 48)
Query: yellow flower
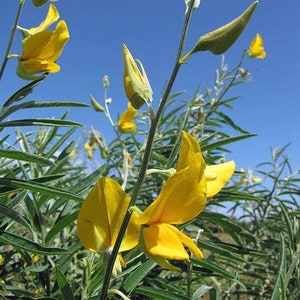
(125, 122)
(256, 48)
(89, 149)
(183, 197)
(1, 260)
(100, 218)
(41, 47)
(73, 153)
(136, 84)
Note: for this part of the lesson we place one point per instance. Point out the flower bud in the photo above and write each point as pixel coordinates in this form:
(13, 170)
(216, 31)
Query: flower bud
(96, 105)
(136, 84)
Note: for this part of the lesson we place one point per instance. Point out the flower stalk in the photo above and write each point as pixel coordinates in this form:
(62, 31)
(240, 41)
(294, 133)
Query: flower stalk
(11, 39)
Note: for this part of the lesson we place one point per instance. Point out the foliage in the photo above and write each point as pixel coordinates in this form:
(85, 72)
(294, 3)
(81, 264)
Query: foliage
(249, 232)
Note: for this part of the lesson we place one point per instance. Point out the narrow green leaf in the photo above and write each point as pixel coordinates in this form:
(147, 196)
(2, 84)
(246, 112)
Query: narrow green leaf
(60, 225)
(159, 294)
(39, 187)
(27, 245)
(38, 104)
(63, 284)
(213, 267)
(226, 141)
(13, 215)
(25, 156)
(288, 222)
(23, 92)
(39, 122)
(279, 288)
(135, 278)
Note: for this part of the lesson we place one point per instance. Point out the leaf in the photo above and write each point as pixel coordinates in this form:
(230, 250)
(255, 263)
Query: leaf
(158, 294)
(34, 186)
(63, 284)
(226, 141)
(60, 225)
(13, 215)
(38, 104)
(213, 267)
(23, 92)
(27, 245)
(136, 277)
(279, 288)
(39, 122)
(25, 156)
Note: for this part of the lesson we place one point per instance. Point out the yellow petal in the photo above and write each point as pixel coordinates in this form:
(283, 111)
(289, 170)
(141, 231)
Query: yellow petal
(217, 176)
(101, 216)
(132, 233)
(33, 66)
(164, 242)
(256, 48)
(125, 122)
(52, 16)
(183, 196)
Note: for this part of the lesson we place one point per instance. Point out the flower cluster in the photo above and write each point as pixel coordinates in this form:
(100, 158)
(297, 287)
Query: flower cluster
(182, 197)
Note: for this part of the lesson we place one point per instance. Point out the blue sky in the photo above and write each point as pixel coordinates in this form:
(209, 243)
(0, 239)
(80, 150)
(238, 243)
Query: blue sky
(268, 104)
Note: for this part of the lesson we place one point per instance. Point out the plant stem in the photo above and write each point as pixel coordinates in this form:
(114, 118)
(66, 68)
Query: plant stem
(11, 39)
(147, 154)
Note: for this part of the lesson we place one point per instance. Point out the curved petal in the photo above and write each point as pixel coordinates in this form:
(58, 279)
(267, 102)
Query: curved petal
(56, 43)
(132, 233)
(164, 242)
(217, 176)
(101, 215)
(183, 196)
(33, 66)
(52, 16)
(125, 122)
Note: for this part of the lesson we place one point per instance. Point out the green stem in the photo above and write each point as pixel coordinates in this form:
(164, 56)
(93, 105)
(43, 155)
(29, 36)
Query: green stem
(147, 154)
(11, 39)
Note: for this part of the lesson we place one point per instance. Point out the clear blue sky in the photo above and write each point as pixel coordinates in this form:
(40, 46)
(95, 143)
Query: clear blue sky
(269, 104)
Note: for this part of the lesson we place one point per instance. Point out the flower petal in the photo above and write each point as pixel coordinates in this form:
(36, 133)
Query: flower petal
(125, 122)
(217, 176)
(52, 16)
(101, 216)
(183, 196)
(164, 242)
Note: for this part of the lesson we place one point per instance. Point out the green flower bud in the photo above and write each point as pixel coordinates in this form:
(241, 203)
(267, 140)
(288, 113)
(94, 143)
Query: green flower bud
(96, 105)
(39, 3)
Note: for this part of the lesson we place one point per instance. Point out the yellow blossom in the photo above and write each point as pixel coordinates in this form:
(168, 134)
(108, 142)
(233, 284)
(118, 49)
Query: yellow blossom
(136, 84)
(1, 260)
(41, 47)
(73, 153)
(89, 149)
(183, 197)
(100, 218)
(125, 122)
(256, 48)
